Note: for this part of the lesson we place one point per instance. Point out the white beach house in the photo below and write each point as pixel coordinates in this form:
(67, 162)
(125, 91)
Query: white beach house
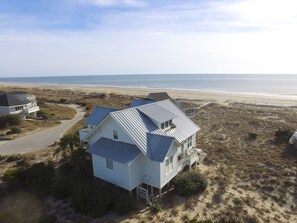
(141, 147)
(17, 102)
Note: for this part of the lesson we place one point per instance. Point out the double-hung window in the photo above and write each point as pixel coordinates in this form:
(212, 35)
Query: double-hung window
(190, 142)
(169, 164)
(109, 164)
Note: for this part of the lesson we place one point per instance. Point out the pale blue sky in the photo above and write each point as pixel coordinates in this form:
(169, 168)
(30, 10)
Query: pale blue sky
(77, 37)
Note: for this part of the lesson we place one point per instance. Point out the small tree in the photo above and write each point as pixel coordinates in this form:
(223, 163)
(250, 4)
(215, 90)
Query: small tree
(68, 143)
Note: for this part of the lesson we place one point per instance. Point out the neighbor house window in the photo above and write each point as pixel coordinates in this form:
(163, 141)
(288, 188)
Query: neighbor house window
(115, 135)
(109, 164)
(169, 164)
(19, 108)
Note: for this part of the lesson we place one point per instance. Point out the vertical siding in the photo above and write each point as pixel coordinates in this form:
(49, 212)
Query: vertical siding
(142, 166)
(165, 178)
(118, 176)
(106, 130)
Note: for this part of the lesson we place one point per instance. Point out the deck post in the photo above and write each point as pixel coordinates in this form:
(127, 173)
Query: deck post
(160, 194)
(130, 193)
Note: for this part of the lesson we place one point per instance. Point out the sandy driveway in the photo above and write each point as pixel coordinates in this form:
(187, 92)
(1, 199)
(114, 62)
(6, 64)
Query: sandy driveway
(40, 140)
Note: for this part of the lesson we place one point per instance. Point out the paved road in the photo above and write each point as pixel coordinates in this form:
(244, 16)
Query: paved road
(40, 140)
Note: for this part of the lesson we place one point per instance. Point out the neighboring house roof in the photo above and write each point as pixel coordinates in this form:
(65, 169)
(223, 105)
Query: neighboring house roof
(158, 146)
(98, 115)
(139, 102)
(17, 92)
(159, 96)
(157, 112)
(7, 99)
(137, 124)
(118, 151)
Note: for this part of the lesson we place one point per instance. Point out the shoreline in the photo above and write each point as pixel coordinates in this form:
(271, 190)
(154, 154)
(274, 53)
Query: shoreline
(218, 97)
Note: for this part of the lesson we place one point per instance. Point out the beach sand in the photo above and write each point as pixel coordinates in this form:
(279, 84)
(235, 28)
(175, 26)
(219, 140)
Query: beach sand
(253, 180)
(222, 98)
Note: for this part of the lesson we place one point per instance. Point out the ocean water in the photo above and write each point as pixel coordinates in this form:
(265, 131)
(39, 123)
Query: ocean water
(245, 84)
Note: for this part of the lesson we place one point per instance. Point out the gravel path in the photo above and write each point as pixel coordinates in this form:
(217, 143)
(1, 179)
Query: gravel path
(40, 140)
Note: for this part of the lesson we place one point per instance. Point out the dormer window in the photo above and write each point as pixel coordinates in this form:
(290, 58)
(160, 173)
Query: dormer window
(166, 125)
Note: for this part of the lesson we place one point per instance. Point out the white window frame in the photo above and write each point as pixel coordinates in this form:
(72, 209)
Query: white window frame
(169, 165)
(167, 124)
(115, 135)
(109, 164)
(190, 142)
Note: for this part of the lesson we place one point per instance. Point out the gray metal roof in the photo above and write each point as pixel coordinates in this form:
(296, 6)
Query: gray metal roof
(98, 115)
(136, 124)
(158, 146)
(7, 99)
(139, 102)
(157, 112)
(185, 127)
(159, 96)
(118, 151)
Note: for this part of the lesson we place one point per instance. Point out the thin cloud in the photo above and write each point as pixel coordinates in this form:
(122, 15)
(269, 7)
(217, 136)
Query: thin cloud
(108, 3)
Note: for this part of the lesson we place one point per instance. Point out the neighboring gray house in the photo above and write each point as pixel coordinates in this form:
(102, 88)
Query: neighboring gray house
(188, 108)
(142, 147)
(17, 102)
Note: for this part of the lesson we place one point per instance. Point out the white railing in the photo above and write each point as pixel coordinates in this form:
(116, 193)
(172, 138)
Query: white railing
(32, 109)
(192, 155)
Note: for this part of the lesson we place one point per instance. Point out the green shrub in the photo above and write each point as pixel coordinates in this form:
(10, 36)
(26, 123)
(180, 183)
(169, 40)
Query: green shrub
(283, 135)
(123, 204)
(14, 120)
(14, 174)
(63, 100)
(38, 178)
(48, 219)
(15, 130)
(156, 207)
(188, 183)
(92, 198)
(10, 120)
(253, 135)
(42, 114)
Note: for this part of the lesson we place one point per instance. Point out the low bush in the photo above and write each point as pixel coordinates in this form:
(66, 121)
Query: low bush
(188, 183)
(156, 207)
(48, 219)
(9, 120)
(123, 204)
(253, 135)
(15, 130)
(283, 135)
(62, 100)
(92, 198)
(38, 178)
(44, 115)
(13, 174)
